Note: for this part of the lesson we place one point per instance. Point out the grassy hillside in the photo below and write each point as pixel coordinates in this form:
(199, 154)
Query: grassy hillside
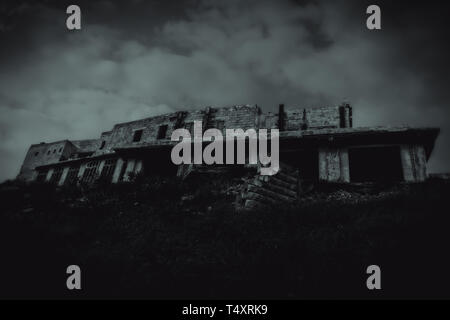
(162, 238)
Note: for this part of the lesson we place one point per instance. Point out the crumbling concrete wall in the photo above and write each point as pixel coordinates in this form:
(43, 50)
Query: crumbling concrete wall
(188, 119)
(334, 164)
(88, 145)
(122, 133)
(333, 161)
(103, 144)
(241, 116)
(125, 168)
(42, 154)
(244, 117)
(326, 117)
(310, 118)
(414, 161)
(69, 150)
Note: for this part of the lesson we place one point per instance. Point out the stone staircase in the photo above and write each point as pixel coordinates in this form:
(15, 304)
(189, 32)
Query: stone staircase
(184, 170)
(262, 191)
(257, 191)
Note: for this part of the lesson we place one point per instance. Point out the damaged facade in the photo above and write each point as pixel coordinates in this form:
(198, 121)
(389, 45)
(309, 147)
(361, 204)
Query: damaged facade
(316, 144)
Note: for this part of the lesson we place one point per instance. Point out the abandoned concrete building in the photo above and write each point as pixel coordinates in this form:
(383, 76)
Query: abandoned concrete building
(316, 144)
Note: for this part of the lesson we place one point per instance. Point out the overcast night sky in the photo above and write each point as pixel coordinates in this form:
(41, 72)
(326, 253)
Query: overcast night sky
(142, 58)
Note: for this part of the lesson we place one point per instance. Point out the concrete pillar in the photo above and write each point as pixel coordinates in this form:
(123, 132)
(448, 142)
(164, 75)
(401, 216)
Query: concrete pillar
(345, 166)
(130, 169)
(63, 176)
(413, 160)
(117, 170)
(421, 163)
(81, 171)
(100, 168)
(334, 164)
(323, 173)
(138, 167)
(49, 174)
(405, 158)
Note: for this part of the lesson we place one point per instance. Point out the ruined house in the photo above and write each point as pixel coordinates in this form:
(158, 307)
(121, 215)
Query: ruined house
(316, 144)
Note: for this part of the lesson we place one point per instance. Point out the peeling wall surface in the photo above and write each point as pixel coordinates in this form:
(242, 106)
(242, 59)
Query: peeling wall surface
(42, 154)
(334, 164)
(414, 162)
(104, 157)
(90, 145)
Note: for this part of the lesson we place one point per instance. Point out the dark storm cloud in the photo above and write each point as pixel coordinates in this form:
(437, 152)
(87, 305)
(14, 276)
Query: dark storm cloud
(141, 58)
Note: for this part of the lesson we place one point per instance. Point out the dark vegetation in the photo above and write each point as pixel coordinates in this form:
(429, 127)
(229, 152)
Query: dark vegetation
(163, 238)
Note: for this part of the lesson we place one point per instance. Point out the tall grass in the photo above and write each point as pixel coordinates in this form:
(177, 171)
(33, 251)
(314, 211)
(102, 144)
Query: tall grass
(164, 238)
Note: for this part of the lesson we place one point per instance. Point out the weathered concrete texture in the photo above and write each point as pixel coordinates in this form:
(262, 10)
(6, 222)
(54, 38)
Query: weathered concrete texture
(81, 171)
(116, 175)
(233, 117)
(309, 118)
(413, 163)
(348, 116)
(328, 131)
(244, 117)
(139, 166)
(337, 132)
(123, 134)
(129, 169)
(89, 145)
(323, 117)
(282, 188)
(63, 176)
(49, 174)
(334, 164)
(44, 153)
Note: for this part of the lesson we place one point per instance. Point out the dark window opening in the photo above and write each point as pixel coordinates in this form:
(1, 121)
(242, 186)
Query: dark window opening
(48, 152)
(103, 144)
(159, 163)
(341, 117)
(137, 135)
(42, 175)
(90, 173)
(162, 131)
(56, 176)
(54, 150)
(350, 117)
(72, 175)
(376, 164)
(36, 154)
(108, 170)
(60, 150)
(304, 125)
(306, 160)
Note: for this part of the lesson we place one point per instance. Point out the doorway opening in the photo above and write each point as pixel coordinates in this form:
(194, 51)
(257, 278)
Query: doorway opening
(375, 164)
